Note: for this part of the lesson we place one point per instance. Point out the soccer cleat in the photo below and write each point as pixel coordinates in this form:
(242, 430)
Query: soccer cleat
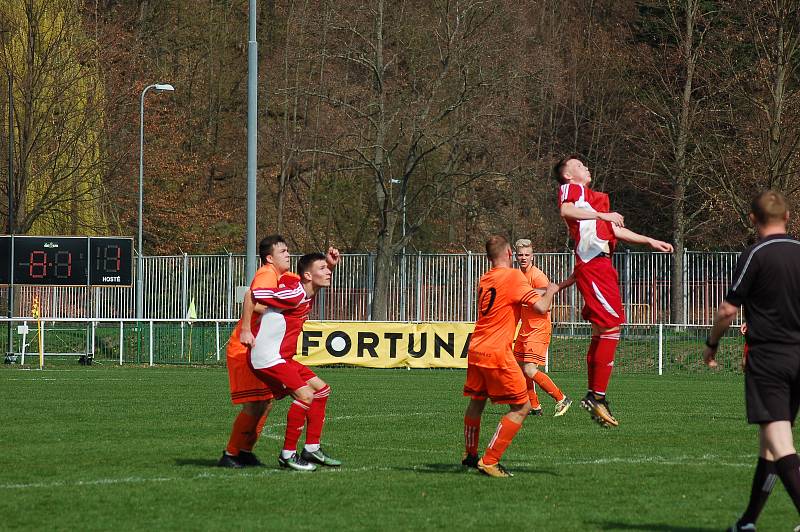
(470, 460)
(296, 462)
(493, 470)
(599, 410)
(535, 411)
(319, 457)
(229, 461)
(562, 406)
(737, 526)
(248, 459)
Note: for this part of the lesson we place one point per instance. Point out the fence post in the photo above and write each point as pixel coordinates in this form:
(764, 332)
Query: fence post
(627, 288)
(403, 291)
(216, 330)
(469, 286)
(121, 341)
(229, 300)
(685, 295)
(370, 284)
(572, 296)
(660, 348)
(185, 287)
(419, 286)
(151, 343)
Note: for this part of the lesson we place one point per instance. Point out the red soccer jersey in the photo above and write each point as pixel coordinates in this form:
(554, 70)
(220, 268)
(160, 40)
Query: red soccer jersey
(276, 334)
(591, 237)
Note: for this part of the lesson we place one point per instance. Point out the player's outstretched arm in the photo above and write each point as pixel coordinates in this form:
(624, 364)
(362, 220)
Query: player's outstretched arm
(629, 236)
(569, 210)
(569, 281)
(723, 318)
(543, 304)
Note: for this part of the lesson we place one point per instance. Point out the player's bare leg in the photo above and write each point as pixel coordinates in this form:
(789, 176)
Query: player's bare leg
(600, 362)
(312, 451)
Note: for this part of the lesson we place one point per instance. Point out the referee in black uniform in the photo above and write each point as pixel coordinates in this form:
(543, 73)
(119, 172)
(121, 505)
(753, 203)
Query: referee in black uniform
(767, 282)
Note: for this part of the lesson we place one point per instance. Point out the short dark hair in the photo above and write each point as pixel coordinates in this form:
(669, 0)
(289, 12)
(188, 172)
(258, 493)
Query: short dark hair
(558, 169)
(308, 260)
(769, 207)
(266, 245)
(495, 246)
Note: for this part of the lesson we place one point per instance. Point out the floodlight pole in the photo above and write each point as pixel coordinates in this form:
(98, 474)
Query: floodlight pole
(160, 87)
(10, 187)
(252, 142)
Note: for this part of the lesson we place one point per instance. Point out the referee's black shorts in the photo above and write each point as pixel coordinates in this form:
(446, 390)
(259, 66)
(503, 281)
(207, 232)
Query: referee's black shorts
(772, 383)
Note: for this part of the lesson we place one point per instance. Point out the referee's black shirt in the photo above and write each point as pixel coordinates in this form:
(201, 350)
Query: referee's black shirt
(767, 282)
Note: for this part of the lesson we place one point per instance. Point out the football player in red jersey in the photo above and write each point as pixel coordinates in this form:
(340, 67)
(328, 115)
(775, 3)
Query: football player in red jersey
(595, 229)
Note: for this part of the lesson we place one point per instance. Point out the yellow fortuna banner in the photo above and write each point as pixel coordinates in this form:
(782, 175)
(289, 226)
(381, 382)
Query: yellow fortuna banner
(384, 344)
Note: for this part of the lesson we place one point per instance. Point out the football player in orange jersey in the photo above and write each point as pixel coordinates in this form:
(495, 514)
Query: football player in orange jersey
(492, 371)
(533, 338)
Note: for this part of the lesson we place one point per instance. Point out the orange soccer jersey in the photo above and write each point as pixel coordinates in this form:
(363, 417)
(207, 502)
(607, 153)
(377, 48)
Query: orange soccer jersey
(245, 386)
(501, 294)
(534, 334)
(492, 371)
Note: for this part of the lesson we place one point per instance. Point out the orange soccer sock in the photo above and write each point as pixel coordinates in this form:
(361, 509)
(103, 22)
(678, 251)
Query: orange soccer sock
(532, 396)
(547, 384)
(251, 441)
(506, 430)
(472, 433)
(244, 427)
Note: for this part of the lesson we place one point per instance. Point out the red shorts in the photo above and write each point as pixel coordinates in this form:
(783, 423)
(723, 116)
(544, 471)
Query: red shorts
(285, 378)
(246, 387)
(502, 386)
(598, 283)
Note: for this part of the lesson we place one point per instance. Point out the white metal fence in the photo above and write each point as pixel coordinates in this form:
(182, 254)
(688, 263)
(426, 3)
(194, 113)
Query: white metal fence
(424, 287)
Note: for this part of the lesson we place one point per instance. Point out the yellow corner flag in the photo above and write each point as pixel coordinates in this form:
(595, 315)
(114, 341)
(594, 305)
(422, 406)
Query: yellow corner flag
(191, 313)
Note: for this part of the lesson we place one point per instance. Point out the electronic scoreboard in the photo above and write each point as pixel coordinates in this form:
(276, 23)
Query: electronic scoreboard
(66, 260)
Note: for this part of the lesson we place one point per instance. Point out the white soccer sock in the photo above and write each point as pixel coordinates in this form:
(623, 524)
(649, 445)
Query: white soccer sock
(286, 454)
(312, 447)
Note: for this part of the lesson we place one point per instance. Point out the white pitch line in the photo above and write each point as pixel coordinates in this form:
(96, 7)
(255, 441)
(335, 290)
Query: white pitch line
(343, 470)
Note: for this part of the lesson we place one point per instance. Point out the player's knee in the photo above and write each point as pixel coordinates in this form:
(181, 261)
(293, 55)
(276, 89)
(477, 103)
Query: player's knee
(305, 394)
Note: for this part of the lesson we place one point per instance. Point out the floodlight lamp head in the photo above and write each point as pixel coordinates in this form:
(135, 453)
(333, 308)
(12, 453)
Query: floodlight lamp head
(164, 87)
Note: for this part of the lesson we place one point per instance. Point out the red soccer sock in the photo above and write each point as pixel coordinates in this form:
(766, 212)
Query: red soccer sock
(532, 396)
(244, 427)
(295, 421)
(590, 356)
(547, 384)
(472, 433)
(506, 430)
(603, 362)
(316, 416)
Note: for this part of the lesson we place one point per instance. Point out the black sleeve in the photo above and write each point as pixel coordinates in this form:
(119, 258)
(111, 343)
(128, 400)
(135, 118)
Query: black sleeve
(744, 275)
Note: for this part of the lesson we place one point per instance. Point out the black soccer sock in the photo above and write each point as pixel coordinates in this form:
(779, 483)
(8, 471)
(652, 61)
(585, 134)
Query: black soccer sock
(763, 481)
(789, 470)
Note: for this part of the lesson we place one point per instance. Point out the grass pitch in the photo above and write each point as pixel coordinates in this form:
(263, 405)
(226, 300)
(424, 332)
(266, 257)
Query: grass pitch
(133, 448)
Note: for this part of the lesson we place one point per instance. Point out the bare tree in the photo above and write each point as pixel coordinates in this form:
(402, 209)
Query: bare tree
(59, 108)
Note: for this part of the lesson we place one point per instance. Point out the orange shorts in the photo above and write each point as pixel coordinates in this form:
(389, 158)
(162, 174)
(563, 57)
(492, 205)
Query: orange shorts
(502, 386)
(531, 351)
(246, 387)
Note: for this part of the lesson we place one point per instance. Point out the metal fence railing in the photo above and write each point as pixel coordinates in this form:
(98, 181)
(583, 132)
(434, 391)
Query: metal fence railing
(654, 349)
(423, 287)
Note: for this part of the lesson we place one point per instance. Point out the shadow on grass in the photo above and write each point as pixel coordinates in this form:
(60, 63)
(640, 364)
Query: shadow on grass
(652, 527)
(202, 462)
(458, 469)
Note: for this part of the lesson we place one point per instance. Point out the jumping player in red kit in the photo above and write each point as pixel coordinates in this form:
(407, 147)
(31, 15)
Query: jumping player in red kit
(595, 230)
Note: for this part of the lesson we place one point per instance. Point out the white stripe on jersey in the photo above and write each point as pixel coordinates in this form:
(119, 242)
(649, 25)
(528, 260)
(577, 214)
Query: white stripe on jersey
(267, 351)
(753, 252)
